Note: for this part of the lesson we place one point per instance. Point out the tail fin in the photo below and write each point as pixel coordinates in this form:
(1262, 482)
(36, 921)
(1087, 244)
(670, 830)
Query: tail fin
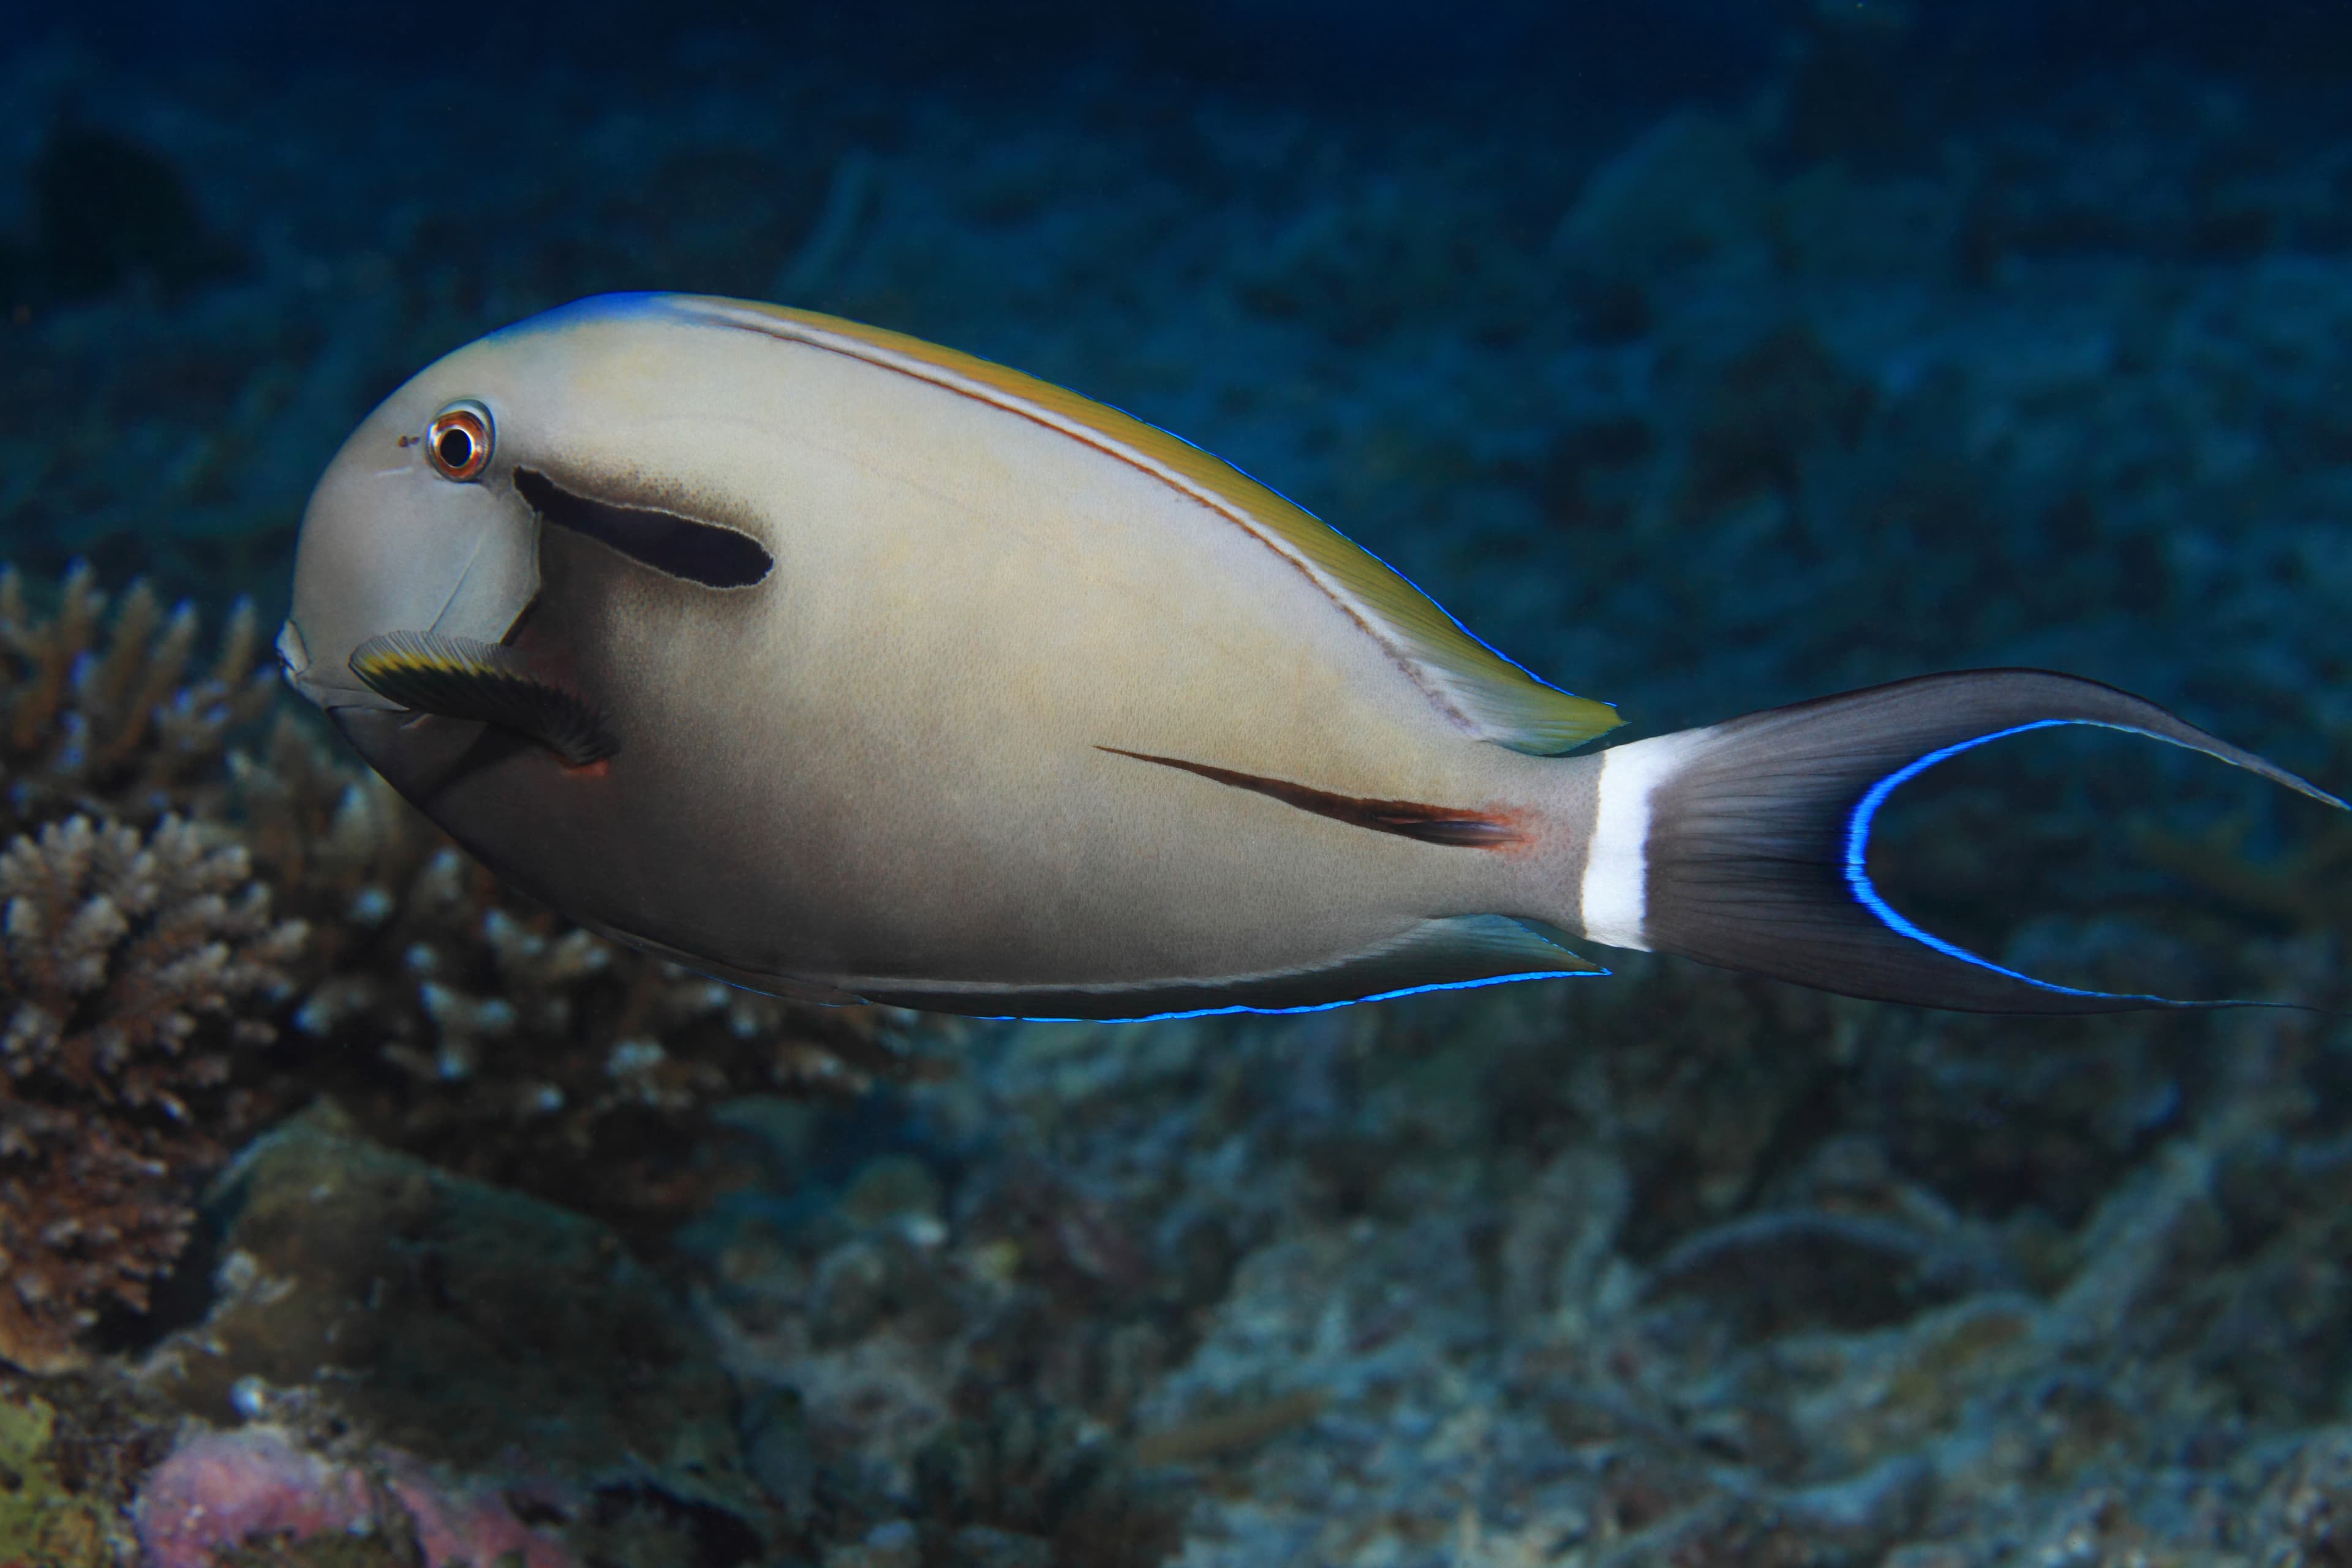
(1744, 844)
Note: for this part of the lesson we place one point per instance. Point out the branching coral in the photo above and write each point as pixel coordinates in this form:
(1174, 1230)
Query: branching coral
(461, 1021)
(99, 710)
(454, 1018)
(1025, 1481)
(132, 963)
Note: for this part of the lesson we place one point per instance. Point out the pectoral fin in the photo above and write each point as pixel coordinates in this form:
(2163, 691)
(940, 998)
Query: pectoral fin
(460, 677)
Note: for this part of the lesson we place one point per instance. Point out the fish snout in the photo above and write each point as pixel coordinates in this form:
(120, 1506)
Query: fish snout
(294, 662)
(325, 688)
(400, 535)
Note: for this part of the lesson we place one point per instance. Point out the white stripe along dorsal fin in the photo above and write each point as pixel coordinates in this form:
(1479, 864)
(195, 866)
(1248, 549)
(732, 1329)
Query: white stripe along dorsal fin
(1478, 688)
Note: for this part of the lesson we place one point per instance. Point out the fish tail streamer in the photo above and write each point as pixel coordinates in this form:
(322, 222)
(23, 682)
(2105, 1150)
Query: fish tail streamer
(1746, 845)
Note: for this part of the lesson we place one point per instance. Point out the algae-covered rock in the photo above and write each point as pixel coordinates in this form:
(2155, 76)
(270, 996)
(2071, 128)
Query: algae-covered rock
(42, 1521)
(485, 1333)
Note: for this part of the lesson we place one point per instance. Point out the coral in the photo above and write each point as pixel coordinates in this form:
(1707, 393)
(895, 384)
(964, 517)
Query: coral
(454, 1017)
(99, 710)
(134, 966)
(457, 1020)
(1809, 388)
(1024, 1480)
(2306, 1514)
(962, 1371)
(474, 1331)
(257, 1497)
(1635, 1270)
(1774, 1271)
(323, 1550)
(43, 1518)
(954, 1348)
(1233, 1433)
(220, 1490)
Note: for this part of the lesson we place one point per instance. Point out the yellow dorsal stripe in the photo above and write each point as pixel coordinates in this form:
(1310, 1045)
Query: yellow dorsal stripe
(1480, 689)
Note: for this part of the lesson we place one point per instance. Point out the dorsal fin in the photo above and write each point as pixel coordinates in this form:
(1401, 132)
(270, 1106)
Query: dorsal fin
(1486, 693)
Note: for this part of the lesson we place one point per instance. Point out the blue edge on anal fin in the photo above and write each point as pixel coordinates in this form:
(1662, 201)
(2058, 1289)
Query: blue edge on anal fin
(1316, 1006)
(1766, 838)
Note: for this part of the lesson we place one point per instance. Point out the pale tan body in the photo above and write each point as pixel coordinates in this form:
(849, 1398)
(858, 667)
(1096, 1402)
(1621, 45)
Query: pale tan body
(873, 622)
(881, 770)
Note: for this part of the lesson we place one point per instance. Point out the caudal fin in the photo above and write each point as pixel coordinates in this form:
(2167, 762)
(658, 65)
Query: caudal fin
(1745, 845)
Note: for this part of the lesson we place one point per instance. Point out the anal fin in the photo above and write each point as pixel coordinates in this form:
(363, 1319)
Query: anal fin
(1448, 953)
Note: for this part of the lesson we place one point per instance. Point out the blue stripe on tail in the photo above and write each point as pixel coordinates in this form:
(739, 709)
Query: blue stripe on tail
(1757, 849)
(1857, 850)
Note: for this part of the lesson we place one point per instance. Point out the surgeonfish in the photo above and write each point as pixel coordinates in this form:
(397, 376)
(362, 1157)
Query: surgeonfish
(838, 664)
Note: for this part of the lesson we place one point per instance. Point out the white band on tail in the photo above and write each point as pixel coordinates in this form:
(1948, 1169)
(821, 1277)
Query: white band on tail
(1617, 860)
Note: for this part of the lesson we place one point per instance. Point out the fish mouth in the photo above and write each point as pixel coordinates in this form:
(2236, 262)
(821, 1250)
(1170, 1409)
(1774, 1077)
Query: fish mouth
(293, 653)
(323, 687)
(294, 664)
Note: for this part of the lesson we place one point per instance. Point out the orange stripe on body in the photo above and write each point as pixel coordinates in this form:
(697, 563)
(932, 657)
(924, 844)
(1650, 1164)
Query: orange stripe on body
(1405, 818)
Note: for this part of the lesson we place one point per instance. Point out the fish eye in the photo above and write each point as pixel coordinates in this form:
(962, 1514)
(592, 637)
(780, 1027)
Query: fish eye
(458, 442)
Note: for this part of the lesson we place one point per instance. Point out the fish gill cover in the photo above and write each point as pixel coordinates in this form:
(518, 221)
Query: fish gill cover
(1701, 356)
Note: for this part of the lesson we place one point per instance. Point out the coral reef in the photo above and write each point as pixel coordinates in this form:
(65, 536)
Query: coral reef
(47, 1516)
(134, 966)
(254, 1498)
(961, 1377)
(458, 1021)
(1697, 400)
(219, 1491)
(1481, 1304)
(1021, 1484)
(99, 710)
(454, 1017)
(147, 977)
(467, 1332)
(1737, 1212)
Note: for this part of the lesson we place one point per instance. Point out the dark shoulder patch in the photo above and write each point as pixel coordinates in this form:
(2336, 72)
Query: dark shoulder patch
(706, 553)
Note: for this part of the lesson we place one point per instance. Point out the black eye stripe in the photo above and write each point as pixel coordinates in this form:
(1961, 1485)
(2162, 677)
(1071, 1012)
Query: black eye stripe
(704, 552)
